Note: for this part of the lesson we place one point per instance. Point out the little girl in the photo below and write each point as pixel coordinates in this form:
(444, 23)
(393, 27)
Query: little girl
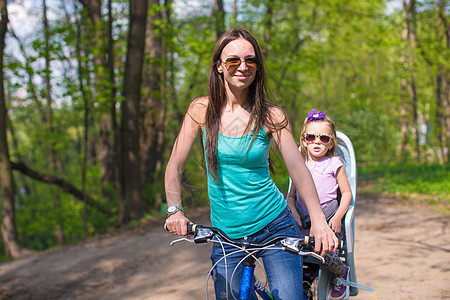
(318, 146)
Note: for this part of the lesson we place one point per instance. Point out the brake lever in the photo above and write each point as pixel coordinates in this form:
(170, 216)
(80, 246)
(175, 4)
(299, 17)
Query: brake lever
(313, 254)
(181, 240)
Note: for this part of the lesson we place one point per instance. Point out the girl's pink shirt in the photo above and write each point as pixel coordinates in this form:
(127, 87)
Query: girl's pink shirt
(323, 173)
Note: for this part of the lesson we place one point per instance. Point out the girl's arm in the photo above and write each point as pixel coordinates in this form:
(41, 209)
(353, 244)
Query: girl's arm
(291, 203)
(301, 178)
(175, 167)
(346, 198)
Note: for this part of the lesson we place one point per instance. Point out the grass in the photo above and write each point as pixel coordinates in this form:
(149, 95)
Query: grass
(427, 183)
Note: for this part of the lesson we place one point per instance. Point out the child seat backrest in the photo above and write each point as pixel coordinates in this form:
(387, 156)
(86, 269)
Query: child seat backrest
(346, 152)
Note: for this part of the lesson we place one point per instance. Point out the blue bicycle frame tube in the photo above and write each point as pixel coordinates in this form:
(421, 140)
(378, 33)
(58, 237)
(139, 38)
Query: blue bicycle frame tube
(246, 282)
(250, 283)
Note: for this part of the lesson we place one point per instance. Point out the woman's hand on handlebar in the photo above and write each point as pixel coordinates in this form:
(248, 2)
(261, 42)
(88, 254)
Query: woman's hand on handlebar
(177, 223)
(325, 239)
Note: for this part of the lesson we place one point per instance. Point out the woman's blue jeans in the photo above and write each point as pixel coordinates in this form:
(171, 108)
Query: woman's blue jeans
(284, 270)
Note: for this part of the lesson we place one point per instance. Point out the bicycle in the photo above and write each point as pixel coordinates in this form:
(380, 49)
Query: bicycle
(249, 282)
(314, 272)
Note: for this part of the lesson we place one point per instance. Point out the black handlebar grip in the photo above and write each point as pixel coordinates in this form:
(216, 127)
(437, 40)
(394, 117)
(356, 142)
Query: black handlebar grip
(190, 228)
(310, 241)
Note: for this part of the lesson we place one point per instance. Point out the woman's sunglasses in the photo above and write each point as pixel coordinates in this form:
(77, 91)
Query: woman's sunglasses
(311, 138)
(232, 63)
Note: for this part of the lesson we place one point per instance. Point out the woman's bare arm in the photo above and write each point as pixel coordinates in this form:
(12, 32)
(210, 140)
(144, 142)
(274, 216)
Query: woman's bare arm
(302, 179)
(291, 202)
(177, 162)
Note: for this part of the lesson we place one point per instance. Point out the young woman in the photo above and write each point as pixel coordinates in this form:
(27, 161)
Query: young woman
(237, 125)
(318, 146)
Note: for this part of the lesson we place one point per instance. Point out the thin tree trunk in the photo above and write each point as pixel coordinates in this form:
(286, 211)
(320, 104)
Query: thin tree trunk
(441, 82)
(130, 200)
(59, 231)
(154, 106)
(108, 193)
(445, 75)
(268, 22)
(219, 17)
(446, 114)
(106, 99)
(170, 87)
(13, 248)
(85, 143)
(404, 87)
(412, 77)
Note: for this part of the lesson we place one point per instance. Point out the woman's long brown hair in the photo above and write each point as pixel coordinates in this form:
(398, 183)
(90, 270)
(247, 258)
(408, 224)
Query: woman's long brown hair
(258, 104)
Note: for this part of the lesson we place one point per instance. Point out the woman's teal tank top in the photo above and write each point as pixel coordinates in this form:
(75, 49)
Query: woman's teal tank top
(244, 199)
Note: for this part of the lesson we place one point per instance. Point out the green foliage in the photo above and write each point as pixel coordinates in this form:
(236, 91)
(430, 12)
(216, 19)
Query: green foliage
(342, 57)
(429, 183)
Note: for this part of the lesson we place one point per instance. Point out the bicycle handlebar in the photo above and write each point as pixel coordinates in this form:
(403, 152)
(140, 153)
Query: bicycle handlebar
(293, 244)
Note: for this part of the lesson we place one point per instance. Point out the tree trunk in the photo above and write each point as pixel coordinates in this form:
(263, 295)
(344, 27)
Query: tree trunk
(441, 77)
(219, 17)
(154, 106)
(404, 87)
(130, 200)
(53, 158)
(86, 124)
(268, 22)
(108, 193)
(9, 231)
(106, 99)
(412, 78)
(170, 83)
(445, 76)
(235, 12)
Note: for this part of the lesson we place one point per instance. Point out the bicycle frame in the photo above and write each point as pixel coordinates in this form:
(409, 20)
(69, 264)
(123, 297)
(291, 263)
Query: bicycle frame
(250, 282)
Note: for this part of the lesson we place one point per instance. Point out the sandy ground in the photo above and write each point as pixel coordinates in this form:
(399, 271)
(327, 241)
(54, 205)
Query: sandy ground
(402, 251)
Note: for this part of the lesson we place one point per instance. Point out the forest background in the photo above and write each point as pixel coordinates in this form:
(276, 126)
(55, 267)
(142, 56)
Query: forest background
(93, 92)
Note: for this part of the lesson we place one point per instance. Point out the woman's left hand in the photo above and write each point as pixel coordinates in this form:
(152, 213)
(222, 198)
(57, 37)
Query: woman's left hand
(325, 240)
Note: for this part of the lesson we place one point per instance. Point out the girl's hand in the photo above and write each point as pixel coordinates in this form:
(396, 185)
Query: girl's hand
(335, 224)
(299, 220)
(177, 223)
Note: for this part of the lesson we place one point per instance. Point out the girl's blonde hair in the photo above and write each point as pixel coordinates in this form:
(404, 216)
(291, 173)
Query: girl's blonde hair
(322, 117)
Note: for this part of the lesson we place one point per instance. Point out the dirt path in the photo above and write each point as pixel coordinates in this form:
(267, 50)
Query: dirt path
(402, 251)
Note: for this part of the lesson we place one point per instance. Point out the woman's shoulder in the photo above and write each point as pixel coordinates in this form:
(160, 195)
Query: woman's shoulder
(275, 120)
(200, 103)
(277, 113)
(197, 109)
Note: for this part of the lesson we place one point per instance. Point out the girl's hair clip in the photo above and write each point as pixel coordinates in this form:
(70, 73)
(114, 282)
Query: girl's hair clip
(315, 115)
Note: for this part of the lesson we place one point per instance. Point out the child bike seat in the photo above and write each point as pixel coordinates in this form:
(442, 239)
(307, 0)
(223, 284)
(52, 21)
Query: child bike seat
(346, 152)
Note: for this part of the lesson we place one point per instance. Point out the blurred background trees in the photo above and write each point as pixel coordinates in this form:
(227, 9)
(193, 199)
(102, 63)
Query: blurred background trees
(94, 93)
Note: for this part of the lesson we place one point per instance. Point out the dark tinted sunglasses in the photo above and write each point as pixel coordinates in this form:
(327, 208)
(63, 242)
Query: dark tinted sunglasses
(311, 138)
(232, 63)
